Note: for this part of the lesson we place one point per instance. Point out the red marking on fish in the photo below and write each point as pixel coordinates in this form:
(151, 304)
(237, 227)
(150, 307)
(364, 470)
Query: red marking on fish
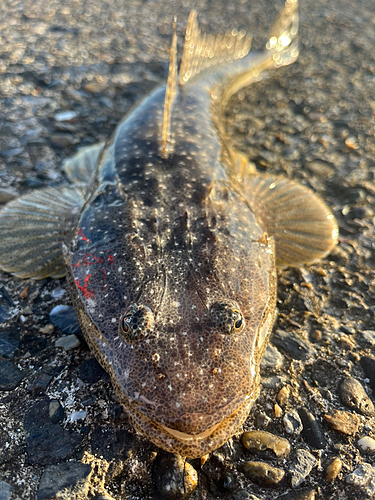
(83, 237)
(86, 262)
(111, 259)
(85, 292)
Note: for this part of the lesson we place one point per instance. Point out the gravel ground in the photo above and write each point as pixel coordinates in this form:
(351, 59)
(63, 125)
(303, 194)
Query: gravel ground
(68, 73)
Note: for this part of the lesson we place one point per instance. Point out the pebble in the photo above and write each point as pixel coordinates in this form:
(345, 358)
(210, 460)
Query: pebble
(48, 329)
(353, 395)
(263, 440)
(277, 410)
(40, 383)
(47, 441)
(343, 421)
(95, 87)
(65, 318)
(263, 473)
(55, 412)
(364, 478)
(244, 495)
(4, 313)
(301, 467)
(173, 477)
(66, 480)
(67, 342)
(312, 432)
(7, 195)
(62, 140)
(272, 358)
(292, 422)
(9, 342)
(367, 444)
(283, 395)
(78, 415)
(57, 293)
(333, 469)
(369, 336)
(10, 375)
(303, 494)
(4, 490)
(90, 371)
(368, 366)
(297, 347)
(65, 116)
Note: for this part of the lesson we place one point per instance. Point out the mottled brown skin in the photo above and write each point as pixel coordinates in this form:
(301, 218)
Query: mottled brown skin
(175, 235)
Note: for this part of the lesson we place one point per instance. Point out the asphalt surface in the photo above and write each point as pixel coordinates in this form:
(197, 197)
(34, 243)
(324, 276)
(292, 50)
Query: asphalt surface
(314, 122)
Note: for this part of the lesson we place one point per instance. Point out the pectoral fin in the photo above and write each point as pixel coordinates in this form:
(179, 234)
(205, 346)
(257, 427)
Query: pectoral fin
(32, 229)
(303, 227)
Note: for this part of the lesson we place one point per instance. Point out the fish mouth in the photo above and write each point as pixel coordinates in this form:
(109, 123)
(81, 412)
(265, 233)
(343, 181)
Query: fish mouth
(193, 445)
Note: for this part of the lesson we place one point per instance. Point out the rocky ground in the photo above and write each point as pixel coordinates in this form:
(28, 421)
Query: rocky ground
(68, 73)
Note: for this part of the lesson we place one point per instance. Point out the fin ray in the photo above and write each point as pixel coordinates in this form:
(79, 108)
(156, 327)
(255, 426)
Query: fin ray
(81, 167)
(33, 228)
(303, 227)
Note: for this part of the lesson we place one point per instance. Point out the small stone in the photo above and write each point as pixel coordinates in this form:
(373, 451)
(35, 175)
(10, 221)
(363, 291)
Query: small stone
(333, 469)
(294, 345)
(312, 432)
(48, 329)
(58, 293)
(303, 494)
(263, 473)
(65, 318)
(353, 395)
(369, 336)
(9, 153)
(173, 477)
(40, 383)
(62, 140)
(301, 467)
(55, 412)
(364, 478)
(272, 358)
(27, 311)
(244, 495)
(90, 371)
(78, 415)
(9, 342)
(95, 87)
(263, 440)
(367, 444)
(65, 116)
(368, 366)
(277, 410)
(10, 376)
(67, 342)
(4, 490)
(343, 421)
(283, 395)
(7, 195)
(262, 420)
(70, 479)
(292, 422)
(25, 292)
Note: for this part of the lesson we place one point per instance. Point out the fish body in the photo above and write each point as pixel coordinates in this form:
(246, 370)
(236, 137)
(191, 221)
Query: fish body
(170, 242)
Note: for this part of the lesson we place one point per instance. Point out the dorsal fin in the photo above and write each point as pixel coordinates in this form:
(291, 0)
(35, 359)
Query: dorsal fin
(170, 94)
(204, 51)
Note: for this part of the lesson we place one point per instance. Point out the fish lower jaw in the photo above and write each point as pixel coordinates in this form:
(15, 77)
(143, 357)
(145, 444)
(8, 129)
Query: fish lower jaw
(193, 445)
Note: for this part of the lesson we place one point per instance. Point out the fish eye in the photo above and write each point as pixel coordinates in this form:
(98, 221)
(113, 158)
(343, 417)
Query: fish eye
(137, 322)
(227, 317)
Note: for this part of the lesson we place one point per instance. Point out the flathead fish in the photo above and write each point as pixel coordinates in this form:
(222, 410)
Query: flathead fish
(170, 240)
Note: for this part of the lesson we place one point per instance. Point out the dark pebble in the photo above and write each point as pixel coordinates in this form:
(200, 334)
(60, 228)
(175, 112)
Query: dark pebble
(294, 345)
(55, 411)
(312, 431)
(32, 182)
(8, 153)
(40, 383)
(4, 490)
(10, 376)
(90, 372)
(59, 481)
(173, 478)
(301, 467)
(64, 317)
(111, 442)
(62, 140)
(292, 422)
(9, 341)
(368, 366)
(47, 441)
(353, 395)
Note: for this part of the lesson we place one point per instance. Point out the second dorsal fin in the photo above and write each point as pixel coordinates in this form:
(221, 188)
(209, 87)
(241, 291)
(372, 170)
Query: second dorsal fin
(204, 51)
(170, 94)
